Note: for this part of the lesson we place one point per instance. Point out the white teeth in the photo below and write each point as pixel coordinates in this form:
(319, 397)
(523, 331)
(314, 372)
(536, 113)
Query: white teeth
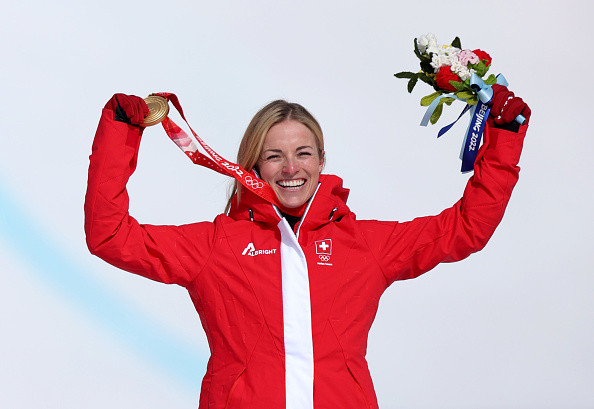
(291, 183)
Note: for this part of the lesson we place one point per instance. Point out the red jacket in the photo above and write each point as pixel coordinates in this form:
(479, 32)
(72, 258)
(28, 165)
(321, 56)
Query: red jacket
(287, 314)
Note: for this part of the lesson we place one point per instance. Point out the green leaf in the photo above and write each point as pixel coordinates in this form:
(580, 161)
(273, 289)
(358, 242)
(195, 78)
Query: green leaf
(406, 74)
(412, 76)
(464, 94)
(472, 101)
(456, 43)
(437, 113)
(491, 80)
(417, 53)
(426, 66)
(458, 85)
(427, 79)
(439, 108)
(466, 86)
(427, 100)
(480, 68)
(425, 58)
(412, 83)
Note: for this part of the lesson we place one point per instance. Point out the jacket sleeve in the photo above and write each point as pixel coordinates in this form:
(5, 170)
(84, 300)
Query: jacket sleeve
(407, 250)
(169, 254)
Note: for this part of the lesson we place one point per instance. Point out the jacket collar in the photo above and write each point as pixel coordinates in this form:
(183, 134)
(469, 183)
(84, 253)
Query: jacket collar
(328, 203)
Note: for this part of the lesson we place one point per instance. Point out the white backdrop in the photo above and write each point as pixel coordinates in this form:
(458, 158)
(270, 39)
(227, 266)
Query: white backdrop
(512, 326)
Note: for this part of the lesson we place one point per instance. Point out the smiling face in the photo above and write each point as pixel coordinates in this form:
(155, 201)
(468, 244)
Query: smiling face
(291, 163)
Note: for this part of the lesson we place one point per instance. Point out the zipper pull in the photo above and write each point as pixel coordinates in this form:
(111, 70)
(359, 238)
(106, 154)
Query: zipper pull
(332, 213)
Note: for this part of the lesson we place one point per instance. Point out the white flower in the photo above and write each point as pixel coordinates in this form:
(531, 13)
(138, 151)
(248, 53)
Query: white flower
(433, 48)
(463, 72)
(446, 55)
(427, 43)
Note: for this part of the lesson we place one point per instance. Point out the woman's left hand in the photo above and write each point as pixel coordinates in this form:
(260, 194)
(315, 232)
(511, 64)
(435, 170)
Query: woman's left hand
(505, 106)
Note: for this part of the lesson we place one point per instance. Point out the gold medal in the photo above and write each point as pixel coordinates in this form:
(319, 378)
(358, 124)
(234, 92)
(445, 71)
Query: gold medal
(158, 110)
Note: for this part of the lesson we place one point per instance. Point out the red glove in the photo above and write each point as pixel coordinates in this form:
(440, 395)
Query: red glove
(128, 108)
(505, 106)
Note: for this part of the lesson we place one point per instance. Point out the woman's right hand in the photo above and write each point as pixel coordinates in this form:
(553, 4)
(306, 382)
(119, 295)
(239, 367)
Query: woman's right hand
(128, 108)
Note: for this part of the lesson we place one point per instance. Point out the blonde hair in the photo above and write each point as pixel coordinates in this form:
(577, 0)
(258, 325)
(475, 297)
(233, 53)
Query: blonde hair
(251, 144)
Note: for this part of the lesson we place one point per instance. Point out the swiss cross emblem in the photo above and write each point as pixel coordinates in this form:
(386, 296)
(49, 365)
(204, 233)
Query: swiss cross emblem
(324, 249)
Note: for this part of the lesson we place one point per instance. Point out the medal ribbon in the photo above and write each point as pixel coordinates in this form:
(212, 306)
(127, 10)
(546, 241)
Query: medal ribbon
(219, 164)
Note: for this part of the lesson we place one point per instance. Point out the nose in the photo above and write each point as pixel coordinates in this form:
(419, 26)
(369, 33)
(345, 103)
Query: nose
(290, 167)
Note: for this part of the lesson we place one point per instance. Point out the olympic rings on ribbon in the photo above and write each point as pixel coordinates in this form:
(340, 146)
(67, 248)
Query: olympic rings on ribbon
(253, 183)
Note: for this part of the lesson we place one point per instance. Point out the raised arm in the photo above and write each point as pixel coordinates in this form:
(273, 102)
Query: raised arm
(406, 250)
(170, 254)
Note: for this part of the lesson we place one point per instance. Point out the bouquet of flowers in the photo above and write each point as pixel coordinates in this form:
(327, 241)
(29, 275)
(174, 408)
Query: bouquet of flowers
(448, 69)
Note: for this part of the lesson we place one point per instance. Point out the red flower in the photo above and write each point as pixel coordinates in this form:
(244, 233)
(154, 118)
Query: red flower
(444, 76)
(483, 56)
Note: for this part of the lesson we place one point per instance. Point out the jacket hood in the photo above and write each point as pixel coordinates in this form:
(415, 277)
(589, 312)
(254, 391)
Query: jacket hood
(328, 203)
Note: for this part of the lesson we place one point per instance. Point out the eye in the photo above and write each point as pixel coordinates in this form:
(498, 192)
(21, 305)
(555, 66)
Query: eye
(304, 153)
(272, 157)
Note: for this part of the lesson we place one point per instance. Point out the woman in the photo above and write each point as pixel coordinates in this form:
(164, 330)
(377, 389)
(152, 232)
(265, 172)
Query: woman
(287, 294)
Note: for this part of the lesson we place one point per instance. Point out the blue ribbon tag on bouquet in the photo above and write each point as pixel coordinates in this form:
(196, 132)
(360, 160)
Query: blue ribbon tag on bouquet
(474, 133)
